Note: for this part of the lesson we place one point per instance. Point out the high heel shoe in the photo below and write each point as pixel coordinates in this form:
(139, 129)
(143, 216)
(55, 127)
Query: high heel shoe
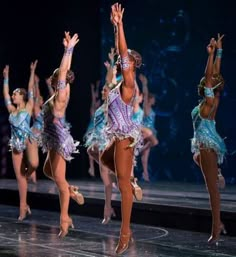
(108, 213)
(221, 180)
(214, 239)
(64, 227)
(124, 243)
(146, 177)
(76, 195)
(24, 212)
(137, 191)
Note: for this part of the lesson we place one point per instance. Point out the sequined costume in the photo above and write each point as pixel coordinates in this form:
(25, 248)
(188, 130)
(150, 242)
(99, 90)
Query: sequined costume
(20, 130)
(120, 124)
(38, 127)
(149, 121)
(56, 134)
(137, 117)
(206, 136)
(89, 130)
(97, 137)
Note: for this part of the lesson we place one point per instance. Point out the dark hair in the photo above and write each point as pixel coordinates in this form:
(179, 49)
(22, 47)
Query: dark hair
(70, 77)
(22, 91)
(217, 79)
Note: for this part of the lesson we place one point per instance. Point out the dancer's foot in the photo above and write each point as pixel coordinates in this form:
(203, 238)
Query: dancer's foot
(91, 172)
(146, 177)
(124, 242)
(64, 227)
(24, 211)
(137, 190)
(221, 180)
(76, 195)
(215, 236)
(108, 213)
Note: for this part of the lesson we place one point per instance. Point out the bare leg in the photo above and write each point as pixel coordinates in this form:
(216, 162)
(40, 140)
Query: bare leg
(123, 165)
(58, 168)
(47, 168)
(19, 168)
(32, 156)
(91, 167)
(208, 163)
(106, 178)
(144, 159)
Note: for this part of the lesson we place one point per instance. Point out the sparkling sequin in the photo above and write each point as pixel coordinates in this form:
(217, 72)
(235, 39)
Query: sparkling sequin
(149, 121)
(20, 130)
(206, 136)
(56, 134)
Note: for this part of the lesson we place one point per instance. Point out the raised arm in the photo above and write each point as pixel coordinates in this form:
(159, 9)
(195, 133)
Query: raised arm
(50, 89)
(144, 81)
(37, 95)
(30, 102)
(127, 72)
(219, 50)
(62, 95)
(6, 95)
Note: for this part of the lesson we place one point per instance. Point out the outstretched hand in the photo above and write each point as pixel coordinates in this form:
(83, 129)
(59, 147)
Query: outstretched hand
(116, 14)
(33, 65)
(70, 42)
(211, 46)
(219, 41)
(6, 71)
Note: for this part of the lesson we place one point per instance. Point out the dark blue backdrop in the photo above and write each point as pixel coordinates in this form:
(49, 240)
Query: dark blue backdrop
(172, 38)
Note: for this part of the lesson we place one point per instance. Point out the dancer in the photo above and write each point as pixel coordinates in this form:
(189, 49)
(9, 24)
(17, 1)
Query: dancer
(95, 103)
(122, 134)
(56, 138)
(24, 157)
(208, 147)
(37, 122)
(149, 124)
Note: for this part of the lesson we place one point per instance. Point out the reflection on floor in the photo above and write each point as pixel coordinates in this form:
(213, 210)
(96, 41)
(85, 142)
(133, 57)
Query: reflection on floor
(37, 237)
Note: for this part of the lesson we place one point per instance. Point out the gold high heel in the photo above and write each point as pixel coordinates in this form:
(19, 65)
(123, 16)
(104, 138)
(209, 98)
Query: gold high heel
(215, 239)
(124, 243)
(137, 190)
(64, 227)
(108, 213)
(76, 195)
(24, 212)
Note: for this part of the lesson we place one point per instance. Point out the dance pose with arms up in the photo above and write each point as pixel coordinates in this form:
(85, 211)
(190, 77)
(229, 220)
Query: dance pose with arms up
(56, 138)
(24, 157)
(208, 147)
(122, 134)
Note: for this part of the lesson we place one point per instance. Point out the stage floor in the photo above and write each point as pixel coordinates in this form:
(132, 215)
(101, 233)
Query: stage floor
(173, 194)
(37, 236)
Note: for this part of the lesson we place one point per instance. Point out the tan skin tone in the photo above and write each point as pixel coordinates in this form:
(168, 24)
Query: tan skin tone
(55, 164)
(19, 162)
(207, 160)
(119, 156)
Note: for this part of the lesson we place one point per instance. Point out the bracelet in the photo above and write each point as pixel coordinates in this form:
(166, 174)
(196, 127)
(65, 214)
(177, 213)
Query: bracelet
(61, 84)
(209, 92)
(68, 51)
(125, 63)
(6, 81)
(219, 52)
(7, 101)
(30, 94)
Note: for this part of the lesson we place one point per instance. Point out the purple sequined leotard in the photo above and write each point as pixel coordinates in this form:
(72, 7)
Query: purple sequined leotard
(56, 134)
(120, 124)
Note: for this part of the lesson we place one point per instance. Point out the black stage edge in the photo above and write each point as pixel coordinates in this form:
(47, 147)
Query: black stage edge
(176, 215)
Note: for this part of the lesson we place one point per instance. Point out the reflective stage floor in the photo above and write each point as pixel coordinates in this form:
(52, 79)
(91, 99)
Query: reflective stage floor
(37, 237)
(173, 219)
